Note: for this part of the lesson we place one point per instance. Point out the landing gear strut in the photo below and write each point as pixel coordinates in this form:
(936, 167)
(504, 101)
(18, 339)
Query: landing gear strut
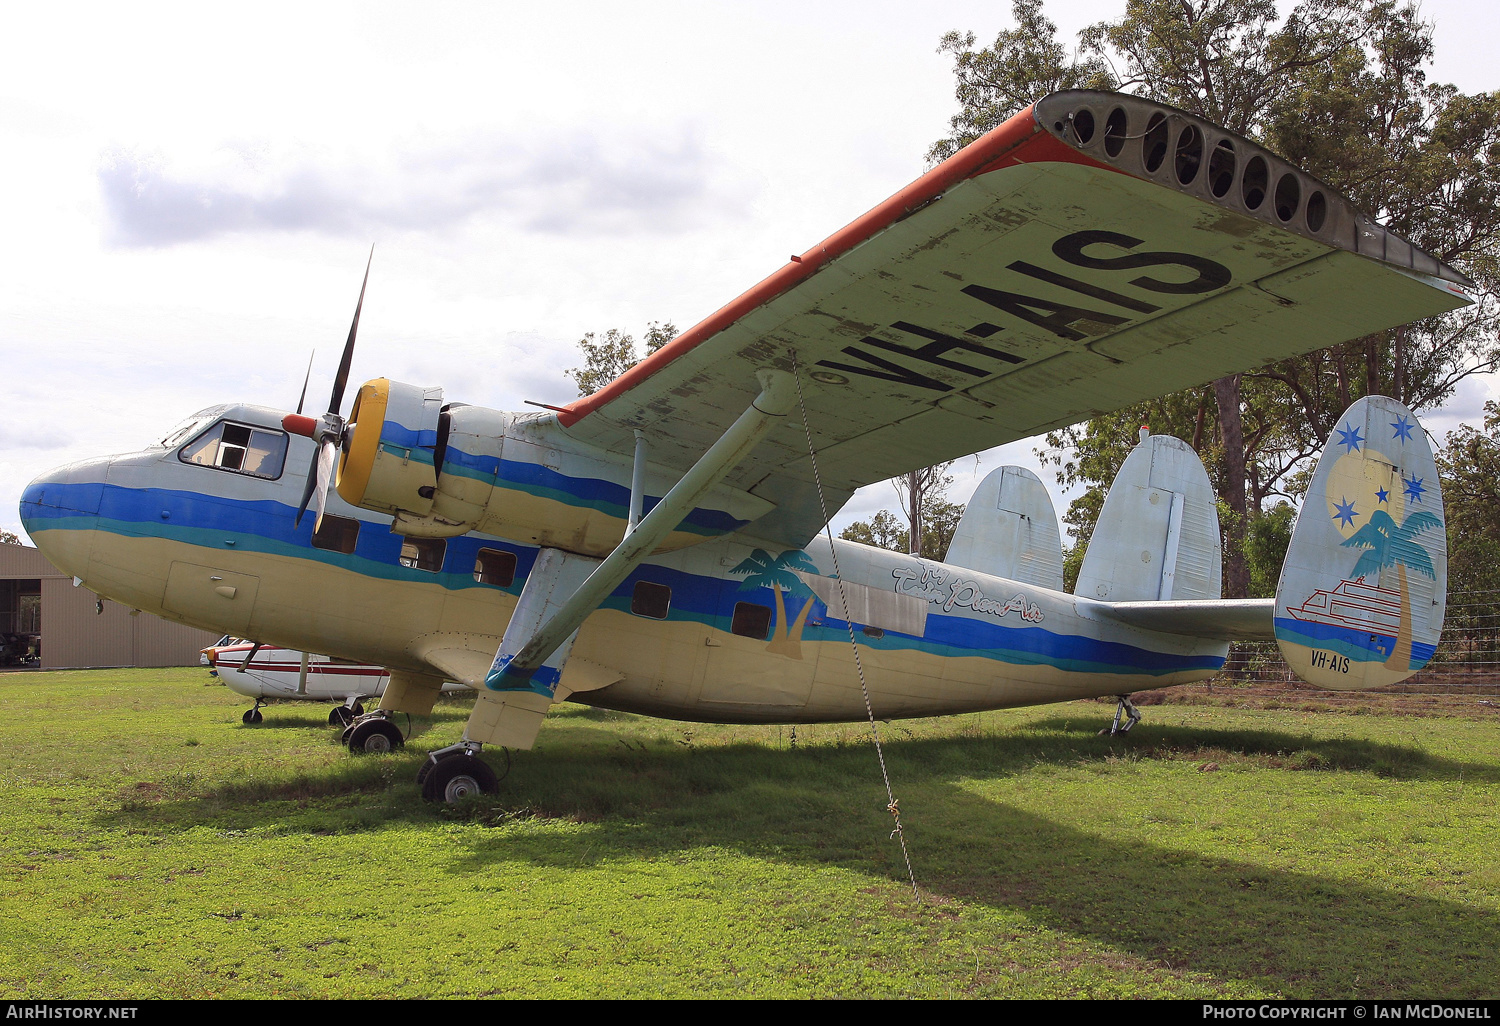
(457, 772)
(373, 735)
(1125, 710)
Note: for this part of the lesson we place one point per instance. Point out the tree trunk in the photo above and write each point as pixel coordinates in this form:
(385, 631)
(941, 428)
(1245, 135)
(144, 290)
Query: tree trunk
(1398, 359)
(786, 638)
(1232, 432)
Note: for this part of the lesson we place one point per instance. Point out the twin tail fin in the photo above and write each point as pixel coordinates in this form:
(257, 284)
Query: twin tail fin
(1363, 589)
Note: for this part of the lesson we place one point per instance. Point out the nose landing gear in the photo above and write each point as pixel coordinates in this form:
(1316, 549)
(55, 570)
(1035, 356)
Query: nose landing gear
(343, 715)
(373, 734)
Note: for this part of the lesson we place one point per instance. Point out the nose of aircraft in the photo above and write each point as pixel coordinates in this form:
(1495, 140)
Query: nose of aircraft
(63, 494)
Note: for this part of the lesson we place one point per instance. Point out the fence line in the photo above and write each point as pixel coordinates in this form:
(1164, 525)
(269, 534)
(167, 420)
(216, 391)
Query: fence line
(1465, 665)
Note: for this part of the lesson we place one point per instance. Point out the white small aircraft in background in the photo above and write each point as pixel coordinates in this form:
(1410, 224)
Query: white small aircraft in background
(266, 673)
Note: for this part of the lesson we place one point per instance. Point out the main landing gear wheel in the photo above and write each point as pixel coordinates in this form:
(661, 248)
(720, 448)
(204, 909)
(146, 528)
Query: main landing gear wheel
(374, 737)
(456, 777)
(436, 757)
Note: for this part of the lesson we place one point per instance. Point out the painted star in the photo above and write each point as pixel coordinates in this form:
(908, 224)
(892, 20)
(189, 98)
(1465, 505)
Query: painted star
(1403, 428)
(1344, 512)
(1383, 495)
(1414, 488)
(1349, 438)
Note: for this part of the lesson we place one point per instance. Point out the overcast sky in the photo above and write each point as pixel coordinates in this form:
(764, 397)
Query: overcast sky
(190, 191)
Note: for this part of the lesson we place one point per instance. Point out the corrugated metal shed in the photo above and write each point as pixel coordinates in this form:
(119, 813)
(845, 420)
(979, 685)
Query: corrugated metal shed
(76, 633)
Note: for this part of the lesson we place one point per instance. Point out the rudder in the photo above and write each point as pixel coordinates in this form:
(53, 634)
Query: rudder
(1363, 590)
(1009, 530)
(1157, 537)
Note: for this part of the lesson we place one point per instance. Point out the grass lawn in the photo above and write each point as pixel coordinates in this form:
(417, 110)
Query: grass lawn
(151, 845)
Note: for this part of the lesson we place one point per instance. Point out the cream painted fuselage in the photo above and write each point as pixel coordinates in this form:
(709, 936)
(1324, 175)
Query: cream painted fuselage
(744, 632)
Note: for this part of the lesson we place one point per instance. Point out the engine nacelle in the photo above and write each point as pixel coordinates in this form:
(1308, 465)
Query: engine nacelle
(442, 472)
(390, 461)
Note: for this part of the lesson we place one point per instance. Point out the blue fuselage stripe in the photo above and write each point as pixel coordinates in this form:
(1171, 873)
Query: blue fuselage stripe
(266, 526)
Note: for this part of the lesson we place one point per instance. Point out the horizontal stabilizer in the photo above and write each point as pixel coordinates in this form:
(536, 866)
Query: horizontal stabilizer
(1157, 538)
(1009, 530)
(1220, 620)
(1362, 593)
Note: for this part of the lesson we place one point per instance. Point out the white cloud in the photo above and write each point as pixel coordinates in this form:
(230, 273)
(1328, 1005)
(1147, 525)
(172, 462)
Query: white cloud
(581, 184)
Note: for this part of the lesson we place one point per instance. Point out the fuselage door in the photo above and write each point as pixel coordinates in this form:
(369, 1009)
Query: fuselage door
(213, 598)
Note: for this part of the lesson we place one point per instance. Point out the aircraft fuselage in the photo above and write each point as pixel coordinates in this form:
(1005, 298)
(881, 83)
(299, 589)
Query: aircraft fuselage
(725, 630)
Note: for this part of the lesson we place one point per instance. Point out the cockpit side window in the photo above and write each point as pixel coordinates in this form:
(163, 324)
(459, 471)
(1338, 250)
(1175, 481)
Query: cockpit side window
(239, 448)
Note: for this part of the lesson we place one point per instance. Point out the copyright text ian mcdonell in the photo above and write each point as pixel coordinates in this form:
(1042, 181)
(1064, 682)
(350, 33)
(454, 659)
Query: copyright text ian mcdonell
(1346, 1010)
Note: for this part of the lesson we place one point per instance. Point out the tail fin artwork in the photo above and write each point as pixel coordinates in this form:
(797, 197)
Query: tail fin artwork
(1157, 538)
(1009, 529)
(1362, 593)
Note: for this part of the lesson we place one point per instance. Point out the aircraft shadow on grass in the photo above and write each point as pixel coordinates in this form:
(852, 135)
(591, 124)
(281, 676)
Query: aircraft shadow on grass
(1296, 932)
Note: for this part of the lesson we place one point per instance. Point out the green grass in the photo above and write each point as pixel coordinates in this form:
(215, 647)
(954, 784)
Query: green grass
(153, 846)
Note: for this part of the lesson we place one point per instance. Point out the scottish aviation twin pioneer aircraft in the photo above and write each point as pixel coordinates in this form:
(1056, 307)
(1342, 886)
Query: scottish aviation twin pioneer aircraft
(660, 546)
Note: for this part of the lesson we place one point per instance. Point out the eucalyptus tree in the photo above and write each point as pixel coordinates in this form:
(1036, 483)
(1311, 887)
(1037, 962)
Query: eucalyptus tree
(1340, 87)
(607, 356)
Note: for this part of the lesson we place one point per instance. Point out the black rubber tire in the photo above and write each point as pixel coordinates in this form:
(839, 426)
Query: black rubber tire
(456, 777)
(375, 737)
(425, 769)
(340, 716)
(251, 717)
(358, 709)
(432, 761)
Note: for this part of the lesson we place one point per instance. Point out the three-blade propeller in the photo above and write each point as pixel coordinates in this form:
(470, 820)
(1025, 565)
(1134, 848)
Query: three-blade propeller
(328, 430)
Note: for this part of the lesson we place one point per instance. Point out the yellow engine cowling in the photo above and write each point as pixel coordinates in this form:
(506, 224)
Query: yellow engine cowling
(388, 463)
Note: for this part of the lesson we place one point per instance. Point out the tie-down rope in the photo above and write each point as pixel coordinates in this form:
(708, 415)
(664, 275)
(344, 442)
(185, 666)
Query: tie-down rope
(893, 807)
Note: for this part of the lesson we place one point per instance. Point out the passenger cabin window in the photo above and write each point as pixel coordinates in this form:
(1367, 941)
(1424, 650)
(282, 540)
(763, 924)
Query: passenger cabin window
(651, 600)
(495, 567)
(337, 534)
(424, 553)
(253, 451)
(751, 620)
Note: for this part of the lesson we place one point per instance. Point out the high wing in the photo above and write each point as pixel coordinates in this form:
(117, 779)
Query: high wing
(1094, 251)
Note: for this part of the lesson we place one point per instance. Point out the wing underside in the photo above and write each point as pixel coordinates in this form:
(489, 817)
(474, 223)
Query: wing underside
(1035, 280)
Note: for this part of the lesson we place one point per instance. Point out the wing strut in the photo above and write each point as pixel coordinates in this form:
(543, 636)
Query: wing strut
(564, 588)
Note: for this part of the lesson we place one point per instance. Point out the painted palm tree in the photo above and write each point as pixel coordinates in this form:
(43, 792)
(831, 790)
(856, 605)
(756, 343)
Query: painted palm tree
(1390, 545)
(762, 571)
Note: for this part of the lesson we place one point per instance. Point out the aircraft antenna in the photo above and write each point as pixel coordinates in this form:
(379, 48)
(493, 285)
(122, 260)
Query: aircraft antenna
(894, 808)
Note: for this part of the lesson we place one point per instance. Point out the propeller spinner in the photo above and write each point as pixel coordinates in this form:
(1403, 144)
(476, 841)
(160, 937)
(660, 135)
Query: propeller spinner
(328, 430)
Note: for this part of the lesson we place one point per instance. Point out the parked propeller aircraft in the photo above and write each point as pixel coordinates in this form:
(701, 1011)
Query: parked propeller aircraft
(659, 546)
(267, 673)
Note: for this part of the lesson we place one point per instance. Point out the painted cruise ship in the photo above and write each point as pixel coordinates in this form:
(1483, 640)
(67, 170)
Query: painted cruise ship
(1355, 605)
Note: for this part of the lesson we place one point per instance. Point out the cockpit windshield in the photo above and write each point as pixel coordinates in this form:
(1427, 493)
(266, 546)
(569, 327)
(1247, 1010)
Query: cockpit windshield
(183, 430)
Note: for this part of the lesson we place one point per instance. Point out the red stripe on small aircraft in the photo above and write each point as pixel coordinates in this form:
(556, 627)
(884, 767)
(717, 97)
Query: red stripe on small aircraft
(1018, 141)
(322, 669)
